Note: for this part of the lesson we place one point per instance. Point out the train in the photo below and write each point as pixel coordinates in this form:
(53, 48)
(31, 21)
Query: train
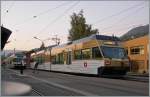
(96, 54)
(16, 60)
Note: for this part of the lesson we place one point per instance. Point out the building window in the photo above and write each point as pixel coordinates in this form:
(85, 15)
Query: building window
(86, 54)
(137, 50)
(96, 53)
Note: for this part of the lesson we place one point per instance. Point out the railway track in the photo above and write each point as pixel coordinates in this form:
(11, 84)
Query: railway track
(34, 92)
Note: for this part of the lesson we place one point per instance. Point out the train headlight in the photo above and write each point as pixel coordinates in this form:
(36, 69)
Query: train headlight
(107, 62)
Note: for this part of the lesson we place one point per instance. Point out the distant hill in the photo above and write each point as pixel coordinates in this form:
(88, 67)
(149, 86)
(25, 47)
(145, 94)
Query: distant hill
(136, 32)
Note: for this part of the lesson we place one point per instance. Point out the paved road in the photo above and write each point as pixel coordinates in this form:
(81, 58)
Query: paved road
(58, 84)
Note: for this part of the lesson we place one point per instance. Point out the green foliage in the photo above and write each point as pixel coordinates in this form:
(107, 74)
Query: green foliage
(79, 28)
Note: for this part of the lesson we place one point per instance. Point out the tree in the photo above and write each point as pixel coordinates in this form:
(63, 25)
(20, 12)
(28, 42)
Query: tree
(79, 28)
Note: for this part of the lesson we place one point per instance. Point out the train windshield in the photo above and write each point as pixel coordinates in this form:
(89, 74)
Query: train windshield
(17, 60)
(113, 52)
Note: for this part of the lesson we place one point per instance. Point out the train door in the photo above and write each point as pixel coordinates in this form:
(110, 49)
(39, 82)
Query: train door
(69, 57)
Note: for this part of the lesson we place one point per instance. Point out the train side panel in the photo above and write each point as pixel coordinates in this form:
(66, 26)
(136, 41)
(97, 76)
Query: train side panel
(79, 66)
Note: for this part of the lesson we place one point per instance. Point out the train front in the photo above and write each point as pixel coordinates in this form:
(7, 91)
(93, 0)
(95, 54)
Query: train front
(116, 62)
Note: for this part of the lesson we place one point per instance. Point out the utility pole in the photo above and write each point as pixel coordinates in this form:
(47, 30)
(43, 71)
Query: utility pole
(50, 58)
(43, 45)
(14, 51)
(56, 39)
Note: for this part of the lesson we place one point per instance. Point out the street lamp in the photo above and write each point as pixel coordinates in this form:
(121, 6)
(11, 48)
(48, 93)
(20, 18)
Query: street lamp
(40, 40)
(37, 38)
(56, 39)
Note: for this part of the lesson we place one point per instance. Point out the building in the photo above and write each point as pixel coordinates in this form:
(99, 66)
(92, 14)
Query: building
(138, 52)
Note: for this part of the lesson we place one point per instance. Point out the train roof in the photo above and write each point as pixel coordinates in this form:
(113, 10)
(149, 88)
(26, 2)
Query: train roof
(103, 37)
(98, 37)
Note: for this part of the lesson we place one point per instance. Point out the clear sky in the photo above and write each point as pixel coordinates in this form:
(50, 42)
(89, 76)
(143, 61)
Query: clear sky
(45, 19)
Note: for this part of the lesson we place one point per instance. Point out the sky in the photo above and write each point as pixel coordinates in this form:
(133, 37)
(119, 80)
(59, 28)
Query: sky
(46, 19)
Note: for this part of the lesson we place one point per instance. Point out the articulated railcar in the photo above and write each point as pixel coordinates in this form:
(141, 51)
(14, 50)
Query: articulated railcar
(15, 61)
(96, 54)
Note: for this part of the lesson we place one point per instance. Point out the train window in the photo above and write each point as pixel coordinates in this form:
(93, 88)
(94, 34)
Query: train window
(77, 54)
(53, 59)
(96, 53)
(86, 54)
(59, 58)
(39, 58)
(47, 58)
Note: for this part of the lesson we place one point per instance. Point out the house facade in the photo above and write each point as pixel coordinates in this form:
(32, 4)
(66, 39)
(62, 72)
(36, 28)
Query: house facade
(138, 53)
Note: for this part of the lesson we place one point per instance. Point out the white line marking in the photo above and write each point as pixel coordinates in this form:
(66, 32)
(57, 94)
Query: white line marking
(62, 86)
(65, 87)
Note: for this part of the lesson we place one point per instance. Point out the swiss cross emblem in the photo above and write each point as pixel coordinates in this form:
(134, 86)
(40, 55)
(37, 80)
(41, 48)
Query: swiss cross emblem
(85, 64)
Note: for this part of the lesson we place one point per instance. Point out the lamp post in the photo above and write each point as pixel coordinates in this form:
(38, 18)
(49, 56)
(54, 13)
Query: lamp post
(40, 40)
(50, 58)
(42, 46)
(57, 41)
(49, 48)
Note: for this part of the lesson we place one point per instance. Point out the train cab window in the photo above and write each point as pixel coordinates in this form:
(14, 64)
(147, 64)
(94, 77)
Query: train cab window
(96, 53)
(77, 54)
(86, 54)
(126, 50)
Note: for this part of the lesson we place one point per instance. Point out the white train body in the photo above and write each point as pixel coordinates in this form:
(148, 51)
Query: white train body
(91, 55)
